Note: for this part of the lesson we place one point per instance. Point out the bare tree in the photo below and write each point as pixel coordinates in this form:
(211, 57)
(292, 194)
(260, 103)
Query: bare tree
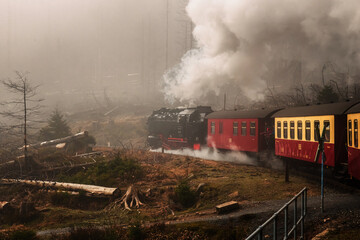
(24, 105)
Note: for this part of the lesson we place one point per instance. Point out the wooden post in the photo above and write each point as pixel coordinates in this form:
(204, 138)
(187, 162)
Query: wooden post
(286, 161)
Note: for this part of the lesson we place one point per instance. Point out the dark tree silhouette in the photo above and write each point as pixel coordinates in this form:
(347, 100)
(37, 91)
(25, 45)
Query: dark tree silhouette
(327, 95)
(23, 106)
(57, 127)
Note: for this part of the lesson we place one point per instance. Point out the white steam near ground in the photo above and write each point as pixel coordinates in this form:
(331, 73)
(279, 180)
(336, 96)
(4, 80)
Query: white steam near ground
(233, 156)
(241, 42)
(213, 154)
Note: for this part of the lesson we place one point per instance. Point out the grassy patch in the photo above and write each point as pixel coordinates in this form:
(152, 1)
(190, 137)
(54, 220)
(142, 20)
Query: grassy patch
(108, 174)
(245, 183)
(80, 201)
(184, 194)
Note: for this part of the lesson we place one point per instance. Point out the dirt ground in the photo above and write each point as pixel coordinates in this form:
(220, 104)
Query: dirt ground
(214, 182)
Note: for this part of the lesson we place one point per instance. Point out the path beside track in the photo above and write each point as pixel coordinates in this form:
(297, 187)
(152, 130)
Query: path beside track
(334, 203)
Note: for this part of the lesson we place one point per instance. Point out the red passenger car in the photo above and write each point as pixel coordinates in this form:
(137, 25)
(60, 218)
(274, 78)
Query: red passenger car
(295, 132)
(248, 131)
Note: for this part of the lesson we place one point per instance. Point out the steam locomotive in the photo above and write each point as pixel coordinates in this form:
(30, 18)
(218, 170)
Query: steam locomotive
(288, 132)
(178, 128)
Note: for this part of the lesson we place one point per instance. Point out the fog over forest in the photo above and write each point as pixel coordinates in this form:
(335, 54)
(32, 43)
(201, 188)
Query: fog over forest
(80, 51)
(172, 52)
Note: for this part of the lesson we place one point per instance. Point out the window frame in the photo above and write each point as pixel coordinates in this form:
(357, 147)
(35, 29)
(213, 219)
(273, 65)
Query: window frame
(220, 128)
(212, 128)
(285, 129)
(356, 132)
(315, 136)
(252, 129)
(278, 133)
(243, 128)
(327, 131)
(235, 128)
(299, 129)
(350, 132)
(307, 130)
(292, 129)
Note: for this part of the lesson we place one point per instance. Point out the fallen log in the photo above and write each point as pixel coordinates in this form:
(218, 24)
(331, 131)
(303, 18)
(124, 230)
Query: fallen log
(4, 204)
(92, 189)
(60, 140)
(227, 207)
(7, 163)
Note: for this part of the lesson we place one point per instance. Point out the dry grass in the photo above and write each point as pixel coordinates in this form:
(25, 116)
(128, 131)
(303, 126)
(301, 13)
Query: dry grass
(162, 173)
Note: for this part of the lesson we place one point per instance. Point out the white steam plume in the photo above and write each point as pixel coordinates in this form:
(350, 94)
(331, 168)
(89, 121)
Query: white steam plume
(239, 41)
(213, 154)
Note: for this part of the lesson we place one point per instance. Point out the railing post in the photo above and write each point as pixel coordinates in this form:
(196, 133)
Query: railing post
(260, 233)
(295, 217)
(302, 214)
(275, 228)
(286, 223)
(305, 210)
(322, 180)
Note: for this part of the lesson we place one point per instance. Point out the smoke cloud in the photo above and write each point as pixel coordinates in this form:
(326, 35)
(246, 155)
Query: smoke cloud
(244, 43)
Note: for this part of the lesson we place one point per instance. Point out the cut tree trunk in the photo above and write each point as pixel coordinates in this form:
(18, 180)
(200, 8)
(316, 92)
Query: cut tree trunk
(61, 140)
(92, 189)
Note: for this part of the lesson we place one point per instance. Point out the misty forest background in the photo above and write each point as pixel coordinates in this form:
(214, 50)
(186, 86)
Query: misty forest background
(99, 62)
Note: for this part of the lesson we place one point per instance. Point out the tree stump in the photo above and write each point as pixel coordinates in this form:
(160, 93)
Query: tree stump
(129, 199)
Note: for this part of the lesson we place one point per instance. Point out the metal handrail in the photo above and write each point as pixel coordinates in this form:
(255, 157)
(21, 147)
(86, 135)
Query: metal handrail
(259, 231)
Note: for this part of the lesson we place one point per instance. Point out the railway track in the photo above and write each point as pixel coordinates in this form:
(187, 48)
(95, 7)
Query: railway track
(337, 181)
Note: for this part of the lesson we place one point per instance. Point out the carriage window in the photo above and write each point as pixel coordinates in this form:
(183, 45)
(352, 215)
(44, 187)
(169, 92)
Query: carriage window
(316, 123)
(252, 128)
(285, 129)
(299, 130)
(235, 128)
(307, 130)
(292, 130)
(327, 131)
(356, 133)
(350, 133)
(220, 127)
(279, 129)
(243, 128)
(212, 128)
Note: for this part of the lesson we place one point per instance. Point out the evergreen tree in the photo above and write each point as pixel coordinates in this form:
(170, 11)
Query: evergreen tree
(57, 127)
(327, 95)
